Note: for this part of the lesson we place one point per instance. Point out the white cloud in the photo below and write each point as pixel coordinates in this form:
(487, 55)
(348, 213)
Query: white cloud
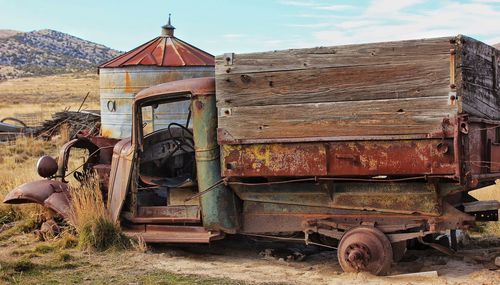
(334, 7)
(316, 5)
(303, 3)
(312, 26)
(487, 1)
(386, 20)
(390, 7)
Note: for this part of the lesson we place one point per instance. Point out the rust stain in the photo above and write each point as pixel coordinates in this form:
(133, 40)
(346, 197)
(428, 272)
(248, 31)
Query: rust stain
(107, 133)
(128, 83)
(274, 160)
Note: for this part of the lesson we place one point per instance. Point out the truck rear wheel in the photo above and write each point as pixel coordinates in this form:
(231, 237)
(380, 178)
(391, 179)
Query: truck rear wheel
(367, 249)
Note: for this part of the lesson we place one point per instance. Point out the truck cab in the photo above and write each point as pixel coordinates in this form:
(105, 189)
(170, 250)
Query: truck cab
(157, 175)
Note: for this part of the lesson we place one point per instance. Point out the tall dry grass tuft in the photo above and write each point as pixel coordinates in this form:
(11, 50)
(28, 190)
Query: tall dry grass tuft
(95, 228)
(17, 166)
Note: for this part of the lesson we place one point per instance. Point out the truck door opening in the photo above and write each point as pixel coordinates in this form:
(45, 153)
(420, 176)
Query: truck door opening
(167, 169)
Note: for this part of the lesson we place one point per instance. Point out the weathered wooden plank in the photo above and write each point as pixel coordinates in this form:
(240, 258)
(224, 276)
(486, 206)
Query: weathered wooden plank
(478, 78)
(423, 78)
(383, 89)
(335, 56)
(479, 101)
(479, 206)
(360, 118)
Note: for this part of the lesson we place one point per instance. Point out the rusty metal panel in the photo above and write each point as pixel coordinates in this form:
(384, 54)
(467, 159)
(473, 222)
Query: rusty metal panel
(402, 157)
(49, 193)
(268, 217)
(274, 160)
(403, 198)
(163, 51)
(119, 177)
(353, 158)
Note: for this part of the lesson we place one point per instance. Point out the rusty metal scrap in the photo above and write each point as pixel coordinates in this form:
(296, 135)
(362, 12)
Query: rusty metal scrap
(9, 131)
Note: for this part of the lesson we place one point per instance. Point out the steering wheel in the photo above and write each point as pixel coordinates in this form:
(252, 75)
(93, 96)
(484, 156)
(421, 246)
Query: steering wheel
(182, 142)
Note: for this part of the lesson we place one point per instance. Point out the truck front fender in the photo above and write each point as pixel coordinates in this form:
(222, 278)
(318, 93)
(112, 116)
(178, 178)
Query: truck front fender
(52, 194)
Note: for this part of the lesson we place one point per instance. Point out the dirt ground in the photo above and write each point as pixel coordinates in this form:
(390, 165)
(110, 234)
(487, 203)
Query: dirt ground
(239, 260)
(242, 260)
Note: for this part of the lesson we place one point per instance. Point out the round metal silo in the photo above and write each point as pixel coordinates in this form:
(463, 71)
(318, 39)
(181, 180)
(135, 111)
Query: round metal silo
(163, 59)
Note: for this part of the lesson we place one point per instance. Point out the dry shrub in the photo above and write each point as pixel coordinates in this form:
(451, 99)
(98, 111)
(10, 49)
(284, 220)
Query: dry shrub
(139, 245)
(489, 193)
(95, 228)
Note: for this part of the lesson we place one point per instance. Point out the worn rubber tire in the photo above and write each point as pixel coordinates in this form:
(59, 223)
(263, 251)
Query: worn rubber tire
(367, 249)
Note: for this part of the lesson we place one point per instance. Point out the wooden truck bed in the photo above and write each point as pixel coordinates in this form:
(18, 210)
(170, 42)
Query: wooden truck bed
(331, 111)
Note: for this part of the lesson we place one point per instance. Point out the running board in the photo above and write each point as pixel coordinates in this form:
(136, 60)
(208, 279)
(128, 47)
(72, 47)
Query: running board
(189, 214)
(172, 234)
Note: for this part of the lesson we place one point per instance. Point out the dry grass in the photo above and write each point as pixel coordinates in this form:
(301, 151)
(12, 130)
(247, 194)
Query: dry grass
(90, 219)
(489, 193)
(96, 230)
(71, 87)
(17, 166)
(34, 99)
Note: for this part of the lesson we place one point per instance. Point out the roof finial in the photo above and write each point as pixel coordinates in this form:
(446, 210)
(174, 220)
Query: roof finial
(168, 30)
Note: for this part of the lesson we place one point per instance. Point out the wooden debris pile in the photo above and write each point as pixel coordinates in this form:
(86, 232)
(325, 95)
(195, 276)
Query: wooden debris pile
(72, 123)
(65, 123)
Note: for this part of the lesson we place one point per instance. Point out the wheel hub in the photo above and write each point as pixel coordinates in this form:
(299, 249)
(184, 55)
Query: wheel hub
(365, 248)
(357, 255)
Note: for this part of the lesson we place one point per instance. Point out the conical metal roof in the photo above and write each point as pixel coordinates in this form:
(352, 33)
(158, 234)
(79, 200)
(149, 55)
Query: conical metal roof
(165, 50)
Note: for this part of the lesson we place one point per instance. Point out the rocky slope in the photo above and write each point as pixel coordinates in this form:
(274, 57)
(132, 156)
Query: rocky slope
(46, 52)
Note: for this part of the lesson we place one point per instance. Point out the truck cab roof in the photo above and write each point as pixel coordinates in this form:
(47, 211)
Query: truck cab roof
(194, 86)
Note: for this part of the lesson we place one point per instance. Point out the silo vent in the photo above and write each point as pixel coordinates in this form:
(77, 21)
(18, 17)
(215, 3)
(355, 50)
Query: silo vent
(168, 30)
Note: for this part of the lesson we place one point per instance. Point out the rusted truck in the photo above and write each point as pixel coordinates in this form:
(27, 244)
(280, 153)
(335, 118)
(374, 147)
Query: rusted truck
(359, 148)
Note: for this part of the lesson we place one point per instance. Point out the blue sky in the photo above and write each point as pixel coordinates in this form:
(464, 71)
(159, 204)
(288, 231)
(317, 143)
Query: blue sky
(256, 25)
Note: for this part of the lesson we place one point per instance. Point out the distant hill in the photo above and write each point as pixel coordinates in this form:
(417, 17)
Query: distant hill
(8, 33)
(497, 46)
(47, 52)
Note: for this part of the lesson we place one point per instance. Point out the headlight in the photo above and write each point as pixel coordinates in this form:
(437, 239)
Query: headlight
(46, 166)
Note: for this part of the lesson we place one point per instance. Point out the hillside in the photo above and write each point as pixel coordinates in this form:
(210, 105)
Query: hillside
(8, 33)
(497, 46)
(47, 52)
